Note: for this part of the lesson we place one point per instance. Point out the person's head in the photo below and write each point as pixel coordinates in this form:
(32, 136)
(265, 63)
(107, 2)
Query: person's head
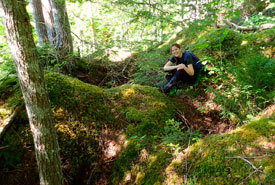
(176, 50)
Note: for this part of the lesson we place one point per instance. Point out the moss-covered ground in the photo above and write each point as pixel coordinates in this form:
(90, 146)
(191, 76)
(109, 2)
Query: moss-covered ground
(134, 134)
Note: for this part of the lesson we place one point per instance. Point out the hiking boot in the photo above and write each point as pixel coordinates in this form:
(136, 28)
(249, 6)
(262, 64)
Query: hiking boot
(170, 85)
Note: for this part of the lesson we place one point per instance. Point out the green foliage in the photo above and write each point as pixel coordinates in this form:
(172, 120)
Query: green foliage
(220, 44)
(242, 75)
(51, 59)
(11, 154)
(148, 67)
(251, 88)
(257, 71)
(7, 69)
(14, 144)
(258, 19)
(174, 133)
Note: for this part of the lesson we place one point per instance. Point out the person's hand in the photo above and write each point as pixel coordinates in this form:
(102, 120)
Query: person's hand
(180, 66)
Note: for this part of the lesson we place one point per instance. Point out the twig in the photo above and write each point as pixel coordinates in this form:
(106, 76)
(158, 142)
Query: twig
(242, 158)
(249, 175)
(254, 167)
(183, 119)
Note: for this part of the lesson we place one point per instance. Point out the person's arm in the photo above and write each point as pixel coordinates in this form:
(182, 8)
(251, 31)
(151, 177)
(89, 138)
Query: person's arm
(189, 69)
(168, 66)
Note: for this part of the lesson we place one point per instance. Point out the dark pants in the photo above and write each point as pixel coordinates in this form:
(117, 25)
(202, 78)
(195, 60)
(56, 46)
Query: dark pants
(180, 75)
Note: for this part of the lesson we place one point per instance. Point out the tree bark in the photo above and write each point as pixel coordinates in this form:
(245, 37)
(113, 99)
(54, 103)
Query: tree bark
(39, 22)
(64, 43)
(48, 17)
(31, 78)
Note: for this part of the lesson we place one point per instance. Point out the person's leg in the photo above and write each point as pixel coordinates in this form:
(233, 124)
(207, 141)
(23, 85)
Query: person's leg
(184, 77)
(180, 75)
(171, 81)
(170, 74)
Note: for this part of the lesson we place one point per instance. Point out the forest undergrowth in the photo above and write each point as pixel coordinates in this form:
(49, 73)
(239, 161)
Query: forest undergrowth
(115, 127)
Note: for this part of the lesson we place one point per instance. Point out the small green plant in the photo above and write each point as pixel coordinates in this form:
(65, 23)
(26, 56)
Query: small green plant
(174, 133)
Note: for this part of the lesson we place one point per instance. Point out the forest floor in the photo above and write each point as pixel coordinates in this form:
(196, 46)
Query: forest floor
(196, 113)
(200, 113)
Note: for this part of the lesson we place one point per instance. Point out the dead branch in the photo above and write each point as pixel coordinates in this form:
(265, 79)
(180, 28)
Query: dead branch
(252, 28)
(7, 122)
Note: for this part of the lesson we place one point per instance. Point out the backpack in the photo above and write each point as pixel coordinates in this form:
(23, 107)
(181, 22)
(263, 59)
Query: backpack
(196, 61)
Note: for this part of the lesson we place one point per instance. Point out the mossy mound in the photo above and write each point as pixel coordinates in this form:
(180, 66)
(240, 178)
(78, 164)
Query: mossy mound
(143, 107)
(83, 111)
(244, 156)
(84, 101)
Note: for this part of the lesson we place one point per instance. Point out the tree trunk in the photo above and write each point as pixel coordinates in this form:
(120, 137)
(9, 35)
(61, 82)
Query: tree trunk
(39, 22)
(31, 78)
(93, 33)
(48, 17)
(64, 43)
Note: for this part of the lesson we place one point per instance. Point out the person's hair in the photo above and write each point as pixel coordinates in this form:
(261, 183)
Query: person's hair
(176, 45)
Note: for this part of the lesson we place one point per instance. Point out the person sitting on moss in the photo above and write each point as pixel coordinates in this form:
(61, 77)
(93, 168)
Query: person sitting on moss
(178, 68)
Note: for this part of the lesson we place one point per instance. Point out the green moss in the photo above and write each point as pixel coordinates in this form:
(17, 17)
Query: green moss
(262, 127)
(142, 167)
(134, 115)
(143, 106)
(154, 173)
(216, 159)
(78, 98)
(125, 161)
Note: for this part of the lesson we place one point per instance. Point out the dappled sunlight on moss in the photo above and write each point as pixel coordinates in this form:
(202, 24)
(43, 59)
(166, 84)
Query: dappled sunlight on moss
(143, 106)
(5, 112)
(128, 93)
(217, 158)
(171, 171)
(265, 143)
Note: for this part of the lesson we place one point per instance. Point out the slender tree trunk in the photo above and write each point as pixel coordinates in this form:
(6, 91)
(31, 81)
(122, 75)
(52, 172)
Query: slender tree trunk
(39, 22)
(48, 16)
(64, 43)
(93, 33)
(30, 74)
